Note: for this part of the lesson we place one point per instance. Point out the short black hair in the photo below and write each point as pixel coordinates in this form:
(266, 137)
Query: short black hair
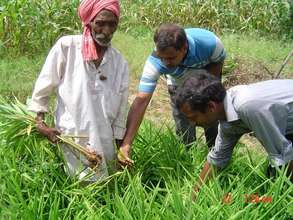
(198, 90)
(170, 35)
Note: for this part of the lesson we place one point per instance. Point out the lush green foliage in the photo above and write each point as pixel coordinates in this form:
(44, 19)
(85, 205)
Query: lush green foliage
(35, 186)
(267, 16)
(29, 26)
(32, 25)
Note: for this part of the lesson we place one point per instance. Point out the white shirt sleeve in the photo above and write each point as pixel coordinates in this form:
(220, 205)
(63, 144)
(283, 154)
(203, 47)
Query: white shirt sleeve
(48, 79)
(149, 77)
(219, 53)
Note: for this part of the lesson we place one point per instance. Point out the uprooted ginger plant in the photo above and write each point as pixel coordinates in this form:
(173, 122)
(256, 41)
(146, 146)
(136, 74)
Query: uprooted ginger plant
(16, 122)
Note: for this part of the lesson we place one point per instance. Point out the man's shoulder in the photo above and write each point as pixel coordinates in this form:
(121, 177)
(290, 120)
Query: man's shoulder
(154, 60)
(202, 43)
(239, 95)
(245, 103)
(70, 40)
(198, 32)
(193, 29)
(155, 63)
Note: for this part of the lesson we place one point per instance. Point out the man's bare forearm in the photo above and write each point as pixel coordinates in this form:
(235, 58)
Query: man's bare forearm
(205, 175)
(134, 119)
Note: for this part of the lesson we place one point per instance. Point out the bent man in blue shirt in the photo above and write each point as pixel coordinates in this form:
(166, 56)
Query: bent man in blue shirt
(266, 108)
(178, 54)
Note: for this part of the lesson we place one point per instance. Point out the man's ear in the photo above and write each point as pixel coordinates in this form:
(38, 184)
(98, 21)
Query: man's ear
(185, 47)
(212, 106)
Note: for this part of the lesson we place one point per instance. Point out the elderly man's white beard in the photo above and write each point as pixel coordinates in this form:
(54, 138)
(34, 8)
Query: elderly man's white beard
(102, 40)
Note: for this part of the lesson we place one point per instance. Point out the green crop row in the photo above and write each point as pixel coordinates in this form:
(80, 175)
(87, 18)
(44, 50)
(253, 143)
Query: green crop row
(34, 185)
(265, 16)
(30, 26)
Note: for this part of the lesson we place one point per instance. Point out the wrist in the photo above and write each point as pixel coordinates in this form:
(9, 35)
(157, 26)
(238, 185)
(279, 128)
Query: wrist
(126, 147)
(196, 188)
(40, 123)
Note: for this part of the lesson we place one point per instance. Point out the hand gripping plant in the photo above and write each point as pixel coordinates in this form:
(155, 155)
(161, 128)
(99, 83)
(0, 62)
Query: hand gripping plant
(16, 121)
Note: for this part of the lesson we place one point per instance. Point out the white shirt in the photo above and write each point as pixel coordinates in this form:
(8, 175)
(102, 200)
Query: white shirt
(266, 108)
(86, 105)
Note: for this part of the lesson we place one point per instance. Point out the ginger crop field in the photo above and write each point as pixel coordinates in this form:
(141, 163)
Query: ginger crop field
(257, 36)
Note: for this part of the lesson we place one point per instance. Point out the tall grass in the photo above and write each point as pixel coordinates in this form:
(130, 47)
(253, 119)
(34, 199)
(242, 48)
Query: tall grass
(34, 185)
(268, 16)
(29, 26)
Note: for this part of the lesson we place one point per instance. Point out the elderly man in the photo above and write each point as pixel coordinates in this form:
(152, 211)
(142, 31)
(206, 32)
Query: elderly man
(90, 78)
(177, 55)
(266, 108)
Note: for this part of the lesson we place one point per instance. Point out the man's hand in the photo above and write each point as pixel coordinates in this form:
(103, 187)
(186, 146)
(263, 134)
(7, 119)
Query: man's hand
(50, 133)
(205, 175)
(124, 156)
(194, 192)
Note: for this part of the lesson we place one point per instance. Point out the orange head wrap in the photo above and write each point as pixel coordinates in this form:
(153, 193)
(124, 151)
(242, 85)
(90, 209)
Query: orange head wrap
(87, 11)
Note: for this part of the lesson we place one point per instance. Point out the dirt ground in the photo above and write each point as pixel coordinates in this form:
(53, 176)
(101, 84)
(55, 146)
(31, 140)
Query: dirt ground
(247, 72)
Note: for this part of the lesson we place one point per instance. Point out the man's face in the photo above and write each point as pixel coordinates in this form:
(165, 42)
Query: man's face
(206, 119)
(103, 27)
(172, 57)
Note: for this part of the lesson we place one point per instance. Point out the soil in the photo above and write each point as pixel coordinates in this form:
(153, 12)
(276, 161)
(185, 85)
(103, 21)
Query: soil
(247, 72)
